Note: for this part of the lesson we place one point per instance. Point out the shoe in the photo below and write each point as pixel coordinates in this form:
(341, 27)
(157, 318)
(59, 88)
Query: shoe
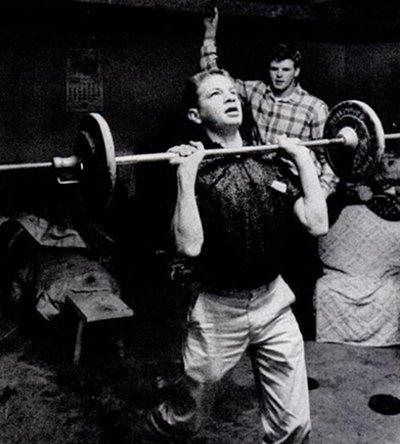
(144, 432)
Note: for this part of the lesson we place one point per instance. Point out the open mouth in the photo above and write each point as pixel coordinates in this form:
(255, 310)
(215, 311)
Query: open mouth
(232, 111)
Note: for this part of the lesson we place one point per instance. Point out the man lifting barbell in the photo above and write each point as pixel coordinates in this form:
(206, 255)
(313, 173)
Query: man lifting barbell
(232, 215)
(282, 106)
(354, 143)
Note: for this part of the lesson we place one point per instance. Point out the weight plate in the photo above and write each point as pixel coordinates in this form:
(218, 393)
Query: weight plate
(94, 146)
(359, 163)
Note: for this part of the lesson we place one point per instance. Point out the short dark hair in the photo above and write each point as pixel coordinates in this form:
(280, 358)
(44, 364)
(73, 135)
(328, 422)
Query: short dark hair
(191, 97)
(285, 51)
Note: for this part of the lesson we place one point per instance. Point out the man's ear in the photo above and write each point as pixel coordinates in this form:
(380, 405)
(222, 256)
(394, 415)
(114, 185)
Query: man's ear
(194, 116)
(297, 73)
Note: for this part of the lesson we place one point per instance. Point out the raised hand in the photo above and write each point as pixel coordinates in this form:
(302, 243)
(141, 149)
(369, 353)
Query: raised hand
(211, 25)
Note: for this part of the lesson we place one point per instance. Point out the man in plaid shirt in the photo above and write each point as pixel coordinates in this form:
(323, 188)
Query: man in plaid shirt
(283, 107)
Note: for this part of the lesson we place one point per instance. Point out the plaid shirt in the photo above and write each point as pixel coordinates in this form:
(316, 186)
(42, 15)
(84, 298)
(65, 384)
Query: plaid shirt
(299, 115)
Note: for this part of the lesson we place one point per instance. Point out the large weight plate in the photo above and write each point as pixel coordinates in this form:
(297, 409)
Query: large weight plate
(354, 164)
(94, 146)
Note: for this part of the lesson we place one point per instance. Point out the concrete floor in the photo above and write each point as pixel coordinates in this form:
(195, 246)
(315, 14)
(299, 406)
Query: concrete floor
(44, 399)
(348, 377)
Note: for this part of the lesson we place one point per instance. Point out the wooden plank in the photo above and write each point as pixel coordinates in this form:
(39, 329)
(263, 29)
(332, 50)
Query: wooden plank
(100, 306)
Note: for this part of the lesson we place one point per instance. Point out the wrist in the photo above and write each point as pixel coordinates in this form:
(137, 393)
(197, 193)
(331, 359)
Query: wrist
(302, 157)
(186, 178)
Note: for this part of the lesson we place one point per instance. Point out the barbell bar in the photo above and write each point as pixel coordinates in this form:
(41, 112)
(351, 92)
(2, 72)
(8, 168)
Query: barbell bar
(25, 166)
(158, 157)
(354, 143)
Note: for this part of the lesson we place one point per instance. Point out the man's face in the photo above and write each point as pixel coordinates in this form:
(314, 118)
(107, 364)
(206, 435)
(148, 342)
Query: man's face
(283, 76)
(219, 106)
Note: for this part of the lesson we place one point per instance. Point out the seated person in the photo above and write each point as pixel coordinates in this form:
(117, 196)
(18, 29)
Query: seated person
(357, 299)
(231, 217)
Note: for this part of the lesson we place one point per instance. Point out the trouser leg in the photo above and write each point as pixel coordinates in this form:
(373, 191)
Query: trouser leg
(217, 338)
(278, 360)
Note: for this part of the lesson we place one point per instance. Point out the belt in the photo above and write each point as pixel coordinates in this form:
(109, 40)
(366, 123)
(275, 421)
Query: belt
(238, 292)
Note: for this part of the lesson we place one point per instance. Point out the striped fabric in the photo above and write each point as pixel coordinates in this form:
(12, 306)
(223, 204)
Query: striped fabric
(300, 115)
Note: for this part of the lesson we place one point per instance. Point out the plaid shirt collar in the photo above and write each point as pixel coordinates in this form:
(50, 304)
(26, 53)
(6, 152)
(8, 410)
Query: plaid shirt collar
(294, 98)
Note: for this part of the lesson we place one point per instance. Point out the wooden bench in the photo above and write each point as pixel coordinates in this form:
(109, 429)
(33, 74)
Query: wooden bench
(95, 307)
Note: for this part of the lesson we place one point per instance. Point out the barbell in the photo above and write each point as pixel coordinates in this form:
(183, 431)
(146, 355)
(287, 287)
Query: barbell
(353, 141)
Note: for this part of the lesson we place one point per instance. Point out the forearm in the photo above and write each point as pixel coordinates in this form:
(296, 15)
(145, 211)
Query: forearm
(327, 177)
(208, 54)
(187, 228)
(311, 209)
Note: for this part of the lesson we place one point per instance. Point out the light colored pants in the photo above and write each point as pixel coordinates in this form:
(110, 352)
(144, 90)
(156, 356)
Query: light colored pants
(221, 328)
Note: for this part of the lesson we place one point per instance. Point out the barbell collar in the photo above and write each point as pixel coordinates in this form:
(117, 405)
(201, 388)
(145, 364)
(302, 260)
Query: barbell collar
(68, 169)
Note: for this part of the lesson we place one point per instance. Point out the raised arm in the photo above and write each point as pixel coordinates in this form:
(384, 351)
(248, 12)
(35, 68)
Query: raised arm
(186, 224)
(209, 60)
(208, 51)
(310, 209)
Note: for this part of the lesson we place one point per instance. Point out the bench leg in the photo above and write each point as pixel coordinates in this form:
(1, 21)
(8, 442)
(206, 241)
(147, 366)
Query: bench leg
(78, 342)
